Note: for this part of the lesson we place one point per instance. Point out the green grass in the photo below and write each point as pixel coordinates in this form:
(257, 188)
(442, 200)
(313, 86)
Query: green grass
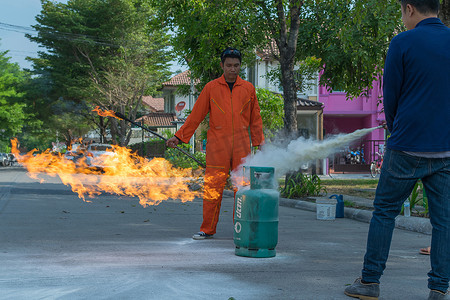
(349, 203)
(364, 188)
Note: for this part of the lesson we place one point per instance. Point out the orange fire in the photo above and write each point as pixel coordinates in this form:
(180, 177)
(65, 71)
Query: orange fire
(240, 177)
(240, 181)
(125, 173)
(105, 113)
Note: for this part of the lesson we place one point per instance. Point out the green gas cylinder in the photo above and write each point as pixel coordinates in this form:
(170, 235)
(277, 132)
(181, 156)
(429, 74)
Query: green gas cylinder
(256, 215)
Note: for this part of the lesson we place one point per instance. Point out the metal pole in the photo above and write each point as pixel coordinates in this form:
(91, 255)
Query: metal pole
(191, 104)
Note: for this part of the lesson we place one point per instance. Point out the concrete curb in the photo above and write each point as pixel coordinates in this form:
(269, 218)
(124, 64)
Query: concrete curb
(421, 225)
(416, 224)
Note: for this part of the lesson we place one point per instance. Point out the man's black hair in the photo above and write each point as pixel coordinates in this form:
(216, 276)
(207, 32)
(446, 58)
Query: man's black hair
(423, 6)
(230, 52)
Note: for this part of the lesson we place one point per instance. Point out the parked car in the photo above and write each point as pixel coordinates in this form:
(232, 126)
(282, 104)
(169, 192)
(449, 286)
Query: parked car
(75, 152)
(98, 154)
(4, 160)
(12, 159)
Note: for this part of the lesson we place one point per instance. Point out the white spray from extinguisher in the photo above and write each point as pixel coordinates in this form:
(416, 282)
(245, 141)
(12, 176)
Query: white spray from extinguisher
(298, 152)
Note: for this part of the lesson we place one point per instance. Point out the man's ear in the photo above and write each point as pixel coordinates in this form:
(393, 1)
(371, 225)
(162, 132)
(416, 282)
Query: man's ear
(410, 10)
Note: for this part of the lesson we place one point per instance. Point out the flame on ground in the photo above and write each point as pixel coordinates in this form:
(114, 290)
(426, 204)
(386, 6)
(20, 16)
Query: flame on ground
(127, 174)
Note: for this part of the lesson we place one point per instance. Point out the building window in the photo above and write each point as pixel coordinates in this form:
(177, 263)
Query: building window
(251, 75)
(171, 104)
(338, 89)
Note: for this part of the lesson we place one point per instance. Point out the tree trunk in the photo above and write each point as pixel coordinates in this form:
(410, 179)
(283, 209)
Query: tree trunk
(444, 13)
(125, 133)
(289, 95)
(114, 128)
(287, 46)
(102, 131)
(68, 138)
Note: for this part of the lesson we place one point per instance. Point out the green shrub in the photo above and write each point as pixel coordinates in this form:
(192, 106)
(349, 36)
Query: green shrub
(418, 197)
(181, 160)
(299, 185)
(152, 148)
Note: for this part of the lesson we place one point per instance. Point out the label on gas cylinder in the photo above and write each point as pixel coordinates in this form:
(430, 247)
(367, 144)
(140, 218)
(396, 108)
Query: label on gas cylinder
(237, 227)
(239, 207)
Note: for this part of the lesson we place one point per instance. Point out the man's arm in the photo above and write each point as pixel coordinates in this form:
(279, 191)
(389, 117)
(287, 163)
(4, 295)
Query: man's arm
(392, 82)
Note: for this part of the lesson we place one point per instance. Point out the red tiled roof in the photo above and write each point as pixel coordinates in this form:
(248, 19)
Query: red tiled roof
(158, 119)
(155, 104)
(181, 79)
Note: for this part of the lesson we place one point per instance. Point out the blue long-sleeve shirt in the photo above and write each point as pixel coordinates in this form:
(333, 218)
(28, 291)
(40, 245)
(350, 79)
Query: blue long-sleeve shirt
(416, 88)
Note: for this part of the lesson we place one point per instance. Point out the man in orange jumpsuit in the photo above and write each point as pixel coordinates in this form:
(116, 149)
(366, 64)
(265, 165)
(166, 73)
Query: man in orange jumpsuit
(233, 110)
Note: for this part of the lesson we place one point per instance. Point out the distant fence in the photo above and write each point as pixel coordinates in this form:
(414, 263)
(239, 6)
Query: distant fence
(347, 160)
(154, 148)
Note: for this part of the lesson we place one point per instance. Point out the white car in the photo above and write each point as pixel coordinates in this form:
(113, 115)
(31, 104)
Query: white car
(98, 155)
(74, 153)
(4, 160)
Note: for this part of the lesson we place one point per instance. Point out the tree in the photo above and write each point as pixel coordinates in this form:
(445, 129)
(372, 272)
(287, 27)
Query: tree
(104, 52)
(294, 31)
(271, 111)
(122, 86)
(280, 21)
(73, 120)
(203, 29)
(37, 131)
(12, 115)
(351, 39)
(444, 13)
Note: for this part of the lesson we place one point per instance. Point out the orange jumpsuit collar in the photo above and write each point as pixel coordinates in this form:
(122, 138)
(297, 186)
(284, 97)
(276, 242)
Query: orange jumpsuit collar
(238, 81)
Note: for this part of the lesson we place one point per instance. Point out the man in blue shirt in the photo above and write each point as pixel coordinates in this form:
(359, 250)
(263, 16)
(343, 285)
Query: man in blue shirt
(416, 87)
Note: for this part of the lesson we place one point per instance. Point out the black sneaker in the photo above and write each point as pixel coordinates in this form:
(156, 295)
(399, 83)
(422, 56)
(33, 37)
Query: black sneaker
(363, 291)
(201, 236)
(438, 295)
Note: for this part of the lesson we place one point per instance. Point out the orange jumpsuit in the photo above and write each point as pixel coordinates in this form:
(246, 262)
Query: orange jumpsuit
(232, 116)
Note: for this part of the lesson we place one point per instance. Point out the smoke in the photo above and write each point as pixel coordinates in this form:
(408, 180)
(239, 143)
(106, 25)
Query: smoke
(291, 157)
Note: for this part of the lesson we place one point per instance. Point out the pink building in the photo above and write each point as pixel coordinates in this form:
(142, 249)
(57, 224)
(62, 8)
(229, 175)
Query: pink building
(345, 116)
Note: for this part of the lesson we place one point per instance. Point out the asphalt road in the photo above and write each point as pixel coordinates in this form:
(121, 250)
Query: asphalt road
(55, 246)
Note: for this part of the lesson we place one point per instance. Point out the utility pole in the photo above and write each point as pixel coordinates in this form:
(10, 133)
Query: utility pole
(191, 105)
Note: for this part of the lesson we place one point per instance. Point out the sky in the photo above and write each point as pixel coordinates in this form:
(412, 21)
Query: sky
(18, 13)
(12, 38)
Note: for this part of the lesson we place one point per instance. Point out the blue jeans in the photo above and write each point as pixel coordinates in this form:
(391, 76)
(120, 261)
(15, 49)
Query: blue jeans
(399, 174)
